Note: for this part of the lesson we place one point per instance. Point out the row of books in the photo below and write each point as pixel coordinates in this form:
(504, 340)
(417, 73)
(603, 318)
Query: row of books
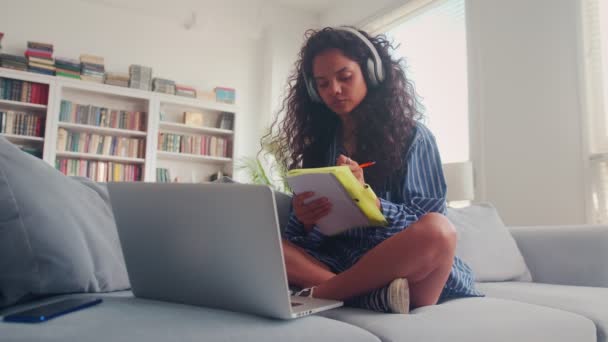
(101, 116)
(199, 144)
(163, 175)
(99, 171)
(99, 144)
(24, 91)
(21, 123)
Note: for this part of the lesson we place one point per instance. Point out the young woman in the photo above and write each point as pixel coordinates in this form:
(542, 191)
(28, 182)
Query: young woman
(349, 102)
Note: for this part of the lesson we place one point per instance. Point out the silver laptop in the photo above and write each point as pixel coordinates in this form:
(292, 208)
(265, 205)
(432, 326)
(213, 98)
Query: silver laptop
(214, 245)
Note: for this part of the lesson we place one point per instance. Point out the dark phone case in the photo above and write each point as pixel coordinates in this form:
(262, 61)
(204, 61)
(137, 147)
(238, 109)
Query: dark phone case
(49, 311)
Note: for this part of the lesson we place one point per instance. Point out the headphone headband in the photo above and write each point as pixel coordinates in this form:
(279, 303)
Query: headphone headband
(372, 49)
(375, 71)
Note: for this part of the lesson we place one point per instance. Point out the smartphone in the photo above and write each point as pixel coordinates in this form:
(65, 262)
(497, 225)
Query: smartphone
(45, 312)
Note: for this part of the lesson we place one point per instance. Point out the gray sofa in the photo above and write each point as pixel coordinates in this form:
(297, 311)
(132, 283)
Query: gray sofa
(51, 245)
(567, 302)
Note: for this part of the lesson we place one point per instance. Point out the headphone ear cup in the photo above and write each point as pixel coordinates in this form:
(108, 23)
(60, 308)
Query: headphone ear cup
(312, 92)
(371, 73)
(379, 72)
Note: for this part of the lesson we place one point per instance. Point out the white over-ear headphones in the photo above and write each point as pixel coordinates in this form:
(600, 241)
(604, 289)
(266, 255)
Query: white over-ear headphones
(375, 71)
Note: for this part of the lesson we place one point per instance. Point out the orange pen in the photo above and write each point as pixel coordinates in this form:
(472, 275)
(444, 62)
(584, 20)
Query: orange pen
(364, 165)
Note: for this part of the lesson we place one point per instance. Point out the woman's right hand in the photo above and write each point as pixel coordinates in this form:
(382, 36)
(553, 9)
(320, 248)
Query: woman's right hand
(309, 213)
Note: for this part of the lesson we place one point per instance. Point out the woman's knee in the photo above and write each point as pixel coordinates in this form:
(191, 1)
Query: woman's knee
(438, 232)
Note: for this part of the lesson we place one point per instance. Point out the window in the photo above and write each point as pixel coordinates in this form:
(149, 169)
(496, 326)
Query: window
(432, 38)
(595, 52)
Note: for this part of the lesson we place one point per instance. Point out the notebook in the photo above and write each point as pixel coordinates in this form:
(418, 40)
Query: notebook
(353, 205)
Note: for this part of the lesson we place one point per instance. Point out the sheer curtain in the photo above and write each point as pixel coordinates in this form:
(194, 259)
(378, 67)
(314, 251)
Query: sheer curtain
(432, 39)
(595, 52)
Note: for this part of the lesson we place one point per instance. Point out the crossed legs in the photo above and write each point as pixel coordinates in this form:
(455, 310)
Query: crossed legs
(423, 254)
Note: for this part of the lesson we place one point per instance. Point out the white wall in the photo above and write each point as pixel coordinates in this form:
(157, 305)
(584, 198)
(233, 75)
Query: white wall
(526, 139)
(283, 39)
(226, 45)
(525, 79)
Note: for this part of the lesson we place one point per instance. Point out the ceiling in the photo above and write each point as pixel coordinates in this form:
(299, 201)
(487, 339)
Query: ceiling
(313, 6)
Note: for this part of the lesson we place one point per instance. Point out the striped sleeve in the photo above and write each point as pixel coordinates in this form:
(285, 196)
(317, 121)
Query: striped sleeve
(295, 232)
(424, 187)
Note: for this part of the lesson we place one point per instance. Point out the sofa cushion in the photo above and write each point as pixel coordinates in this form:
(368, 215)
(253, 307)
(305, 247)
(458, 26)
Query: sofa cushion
(486, 245)
(471, 320)
(120, 318)
(57, 234)
(591, 302)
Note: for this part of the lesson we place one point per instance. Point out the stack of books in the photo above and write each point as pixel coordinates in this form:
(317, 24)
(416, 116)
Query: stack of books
(161, 85)
(40, 58)
(186, 91)
(92, 68)
(226, 95)
(67, 67)
(13, 62)
(117, 79)
(140, 77)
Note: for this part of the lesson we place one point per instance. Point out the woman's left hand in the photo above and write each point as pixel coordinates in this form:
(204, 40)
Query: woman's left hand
(354, 167)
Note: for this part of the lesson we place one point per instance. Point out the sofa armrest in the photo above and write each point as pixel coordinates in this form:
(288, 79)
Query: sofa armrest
(566, 255)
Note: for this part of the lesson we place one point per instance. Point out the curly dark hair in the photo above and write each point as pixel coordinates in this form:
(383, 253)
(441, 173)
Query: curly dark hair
(384, 119)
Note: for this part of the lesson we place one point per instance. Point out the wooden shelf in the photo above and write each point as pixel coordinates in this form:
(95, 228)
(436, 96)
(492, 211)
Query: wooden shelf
(192, 157)
(21, 138)
(99, 129)
(18, 105)
(78, 155)
(182, 128)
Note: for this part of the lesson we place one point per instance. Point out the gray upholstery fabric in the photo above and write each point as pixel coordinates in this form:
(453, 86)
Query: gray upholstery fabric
(485, 244)
(56, 234)
(591, 302)
(472, 320)
(566, 255)
(132, 320)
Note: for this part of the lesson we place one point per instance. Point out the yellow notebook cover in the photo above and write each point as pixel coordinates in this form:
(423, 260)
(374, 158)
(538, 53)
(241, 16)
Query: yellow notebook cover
(353, 205)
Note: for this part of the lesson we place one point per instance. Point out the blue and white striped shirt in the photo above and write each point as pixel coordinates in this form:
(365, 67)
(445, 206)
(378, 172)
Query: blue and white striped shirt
(422, 191)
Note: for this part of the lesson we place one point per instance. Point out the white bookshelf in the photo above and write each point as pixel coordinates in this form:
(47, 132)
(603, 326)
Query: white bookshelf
(18, 105)
(33, 109)
(101, 130)
(102, 157)
(186, 167)
(195, 158)
(22, 138)
(183, 128)
(191, 167)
